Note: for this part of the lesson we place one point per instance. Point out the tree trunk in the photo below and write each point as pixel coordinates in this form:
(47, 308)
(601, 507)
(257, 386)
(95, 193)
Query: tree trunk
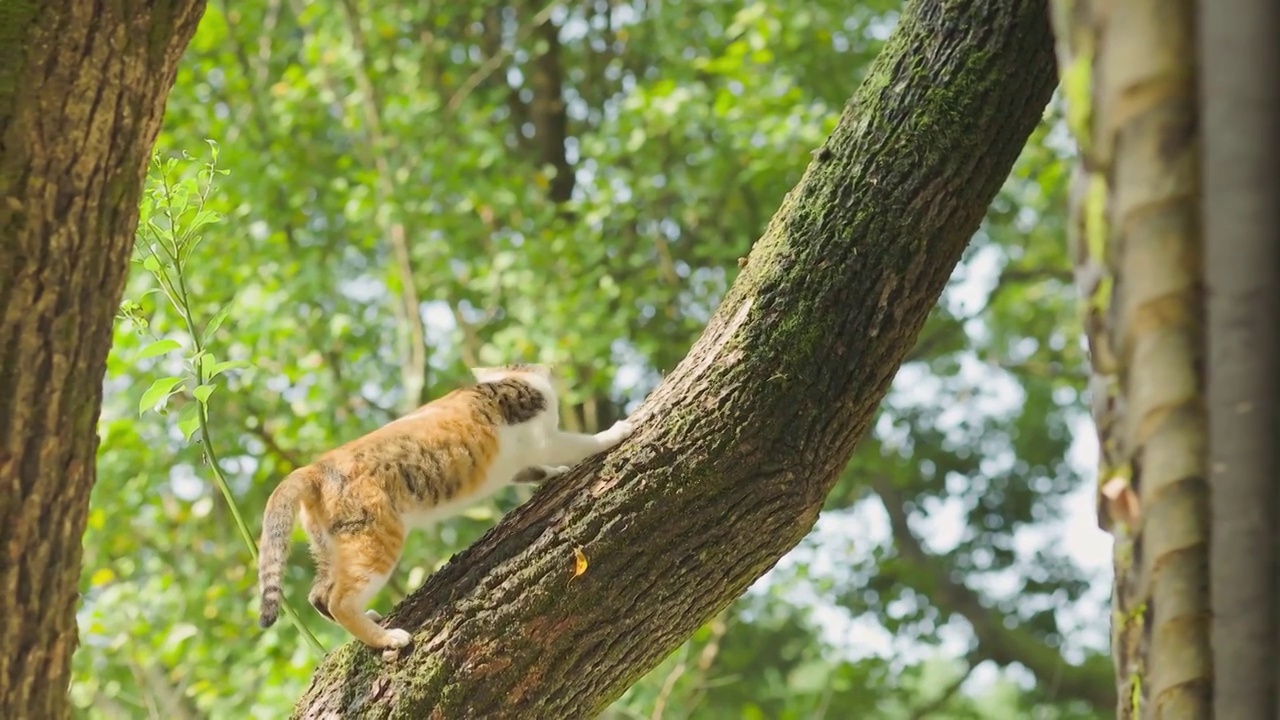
(82, 92)
(737, 448)
(1240, 110)
(1128, 73)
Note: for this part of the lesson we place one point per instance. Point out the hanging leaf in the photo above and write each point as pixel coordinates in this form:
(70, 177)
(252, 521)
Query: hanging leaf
(579, 562)
(159, 391)
(159, 347)
(189, 420)
(203, 392)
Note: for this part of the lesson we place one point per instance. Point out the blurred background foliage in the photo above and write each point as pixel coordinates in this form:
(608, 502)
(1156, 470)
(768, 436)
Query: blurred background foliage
(418, 187)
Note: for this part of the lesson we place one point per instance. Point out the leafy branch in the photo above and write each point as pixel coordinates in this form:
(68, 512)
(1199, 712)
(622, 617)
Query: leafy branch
(172, 215)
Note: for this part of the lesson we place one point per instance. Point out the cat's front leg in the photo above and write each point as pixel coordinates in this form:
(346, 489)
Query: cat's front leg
(539, 473)
(566, 448)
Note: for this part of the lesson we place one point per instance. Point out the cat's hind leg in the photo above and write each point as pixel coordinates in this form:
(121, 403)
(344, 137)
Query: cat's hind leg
(320, 590)
(322, 555)
(363, 560)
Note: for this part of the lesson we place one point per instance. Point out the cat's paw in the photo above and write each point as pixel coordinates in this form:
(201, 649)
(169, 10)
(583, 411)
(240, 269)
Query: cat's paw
(620, 431)
(393, 641)
(373, 615)
(396, 639)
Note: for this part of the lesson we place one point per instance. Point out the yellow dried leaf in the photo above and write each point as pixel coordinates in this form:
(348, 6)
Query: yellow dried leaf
(579, 562)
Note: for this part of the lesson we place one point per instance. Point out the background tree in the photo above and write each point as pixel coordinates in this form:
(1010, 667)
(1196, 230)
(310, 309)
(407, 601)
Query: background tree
(1239, 111)
(1131, 93)
(82, 90)
(936, 579)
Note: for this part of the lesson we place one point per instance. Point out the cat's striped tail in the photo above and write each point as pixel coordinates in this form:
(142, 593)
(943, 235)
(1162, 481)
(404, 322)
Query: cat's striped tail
(277, 529)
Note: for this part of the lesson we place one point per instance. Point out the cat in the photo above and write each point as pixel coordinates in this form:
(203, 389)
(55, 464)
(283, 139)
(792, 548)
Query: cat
(358, 502)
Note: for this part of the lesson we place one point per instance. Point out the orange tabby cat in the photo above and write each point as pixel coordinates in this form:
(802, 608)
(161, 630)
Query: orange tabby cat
(357, 502)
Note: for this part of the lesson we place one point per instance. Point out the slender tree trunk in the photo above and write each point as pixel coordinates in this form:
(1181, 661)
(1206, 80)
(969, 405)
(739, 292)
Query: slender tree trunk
(82, 91)
(1129, 75)
(738, 447)
(1240, 110)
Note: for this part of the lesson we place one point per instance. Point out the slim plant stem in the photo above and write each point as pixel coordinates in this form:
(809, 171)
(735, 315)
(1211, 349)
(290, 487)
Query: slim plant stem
(180, 298)
(225, 488)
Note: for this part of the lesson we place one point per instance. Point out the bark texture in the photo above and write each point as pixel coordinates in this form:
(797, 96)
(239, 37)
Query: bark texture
(1240, 111)
(82, 92)
(737, 448)
(1129, 76)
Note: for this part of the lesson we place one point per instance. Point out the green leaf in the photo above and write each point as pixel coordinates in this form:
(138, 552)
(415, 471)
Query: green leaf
(204, 217)
(203, 392)
(216, 322)
(225, 365)
(151, 264)
(189, 420)
(159, 347)
(160, 390)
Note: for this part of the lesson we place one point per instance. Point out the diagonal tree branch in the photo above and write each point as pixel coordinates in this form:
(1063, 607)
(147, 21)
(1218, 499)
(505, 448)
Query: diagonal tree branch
(737, 448)
(929, 707)
(953, 330)
(1091, 682)
(495, 60)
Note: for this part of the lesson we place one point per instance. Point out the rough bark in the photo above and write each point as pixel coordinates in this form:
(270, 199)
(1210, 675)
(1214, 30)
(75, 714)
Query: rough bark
(737, 448)
(1240, 110)
(82, 92)
(1128, 73)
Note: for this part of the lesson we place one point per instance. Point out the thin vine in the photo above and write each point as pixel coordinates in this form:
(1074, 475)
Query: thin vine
(172, 216)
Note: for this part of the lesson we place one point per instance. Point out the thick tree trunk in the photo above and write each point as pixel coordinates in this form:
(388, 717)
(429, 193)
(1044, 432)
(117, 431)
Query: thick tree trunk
(1240, 111)
(82, 92)
(1129, 77)
(737, 448)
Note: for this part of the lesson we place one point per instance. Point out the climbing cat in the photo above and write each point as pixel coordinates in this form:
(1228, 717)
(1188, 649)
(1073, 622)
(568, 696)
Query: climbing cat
(357, 502)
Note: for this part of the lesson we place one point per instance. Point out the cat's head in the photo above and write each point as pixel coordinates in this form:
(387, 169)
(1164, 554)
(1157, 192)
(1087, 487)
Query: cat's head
(490, 374)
